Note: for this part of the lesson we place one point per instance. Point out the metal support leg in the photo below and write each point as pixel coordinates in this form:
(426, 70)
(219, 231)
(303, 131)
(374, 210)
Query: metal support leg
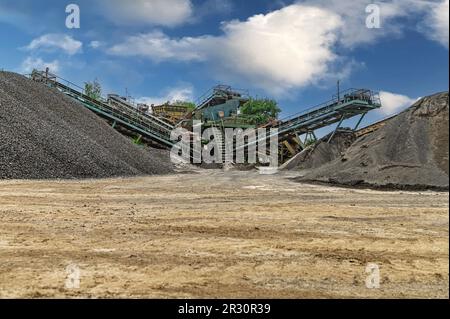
(337, 127)
(359, 122)
(114, 124)
(302, 145)
(310, 138)
(306, 139)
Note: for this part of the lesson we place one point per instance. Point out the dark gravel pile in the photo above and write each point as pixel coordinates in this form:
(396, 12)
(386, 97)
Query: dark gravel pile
(323, 152)
(45, 134)
(409, 152)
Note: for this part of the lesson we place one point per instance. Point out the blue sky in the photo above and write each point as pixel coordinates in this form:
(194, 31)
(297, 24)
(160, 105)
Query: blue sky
(292, 51)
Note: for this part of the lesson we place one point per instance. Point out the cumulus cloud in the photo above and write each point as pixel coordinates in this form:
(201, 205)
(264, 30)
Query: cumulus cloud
(433, 19)
(180, 93)
(283, 49)
(53, 41)
(31, 63)
(148, 12)
(354, 31)
(287, 48)
(436, 24)
(393, 103)
(298, 45)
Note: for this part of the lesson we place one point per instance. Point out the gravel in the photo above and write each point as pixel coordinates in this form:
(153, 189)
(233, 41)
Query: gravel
(409, 152)
(323, 152)
(47, 135)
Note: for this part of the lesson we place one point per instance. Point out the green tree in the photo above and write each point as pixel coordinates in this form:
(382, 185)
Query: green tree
(93, 89)
(260, 111)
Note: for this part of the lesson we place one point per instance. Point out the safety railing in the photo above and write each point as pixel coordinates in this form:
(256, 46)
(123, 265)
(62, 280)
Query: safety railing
(220, 91)
(134, 119)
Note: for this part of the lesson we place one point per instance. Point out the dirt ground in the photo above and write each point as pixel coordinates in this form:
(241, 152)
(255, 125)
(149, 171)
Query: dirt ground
(216, 234)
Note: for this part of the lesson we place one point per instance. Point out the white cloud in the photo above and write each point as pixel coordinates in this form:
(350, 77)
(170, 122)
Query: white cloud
(393, 103)
(53, 41)
(287, 48)
(179, 93)
(433, 19)
(293, 47)
(353, 13)
(436, 25)
(148, 12)
(31, 63)
(159, 47)
(95, 44)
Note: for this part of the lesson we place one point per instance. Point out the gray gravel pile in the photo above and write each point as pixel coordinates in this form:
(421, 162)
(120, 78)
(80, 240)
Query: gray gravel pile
(45, 134)
(323, 152)
(409, 152)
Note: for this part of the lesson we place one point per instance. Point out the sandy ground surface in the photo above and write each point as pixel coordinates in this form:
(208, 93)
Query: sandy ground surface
(215, 234)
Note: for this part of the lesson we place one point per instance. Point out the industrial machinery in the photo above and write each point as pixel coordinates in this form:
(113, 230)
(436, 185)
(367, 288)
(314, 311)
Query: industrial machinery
(219, 108)
(220, 102)
(172, 113)
(122, 115)
(343, 106)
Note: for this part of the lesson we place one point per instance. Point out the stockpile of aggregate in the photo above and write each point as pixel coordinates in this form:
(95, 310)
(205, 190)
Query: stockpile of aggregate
(409, 152)
(323, 152)
(45, 135)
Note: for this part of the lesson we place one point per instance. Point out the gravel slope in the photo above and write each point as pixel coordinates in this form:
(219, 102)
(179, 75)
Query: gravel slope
(410, 152)
(45, 134)
(323, 152)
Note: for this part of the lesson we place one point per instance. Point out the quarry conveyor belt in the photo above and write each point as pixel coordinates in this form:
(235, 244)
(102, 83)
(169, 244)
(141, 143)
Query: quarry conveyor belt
(118, 114)
(348, 104)
(352, 103)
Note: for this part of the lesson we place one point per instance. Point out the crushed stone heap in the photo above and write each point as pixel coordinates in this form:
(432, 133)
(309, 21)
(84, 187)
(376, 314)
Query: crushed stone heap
(45, 134)
(409, 152)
